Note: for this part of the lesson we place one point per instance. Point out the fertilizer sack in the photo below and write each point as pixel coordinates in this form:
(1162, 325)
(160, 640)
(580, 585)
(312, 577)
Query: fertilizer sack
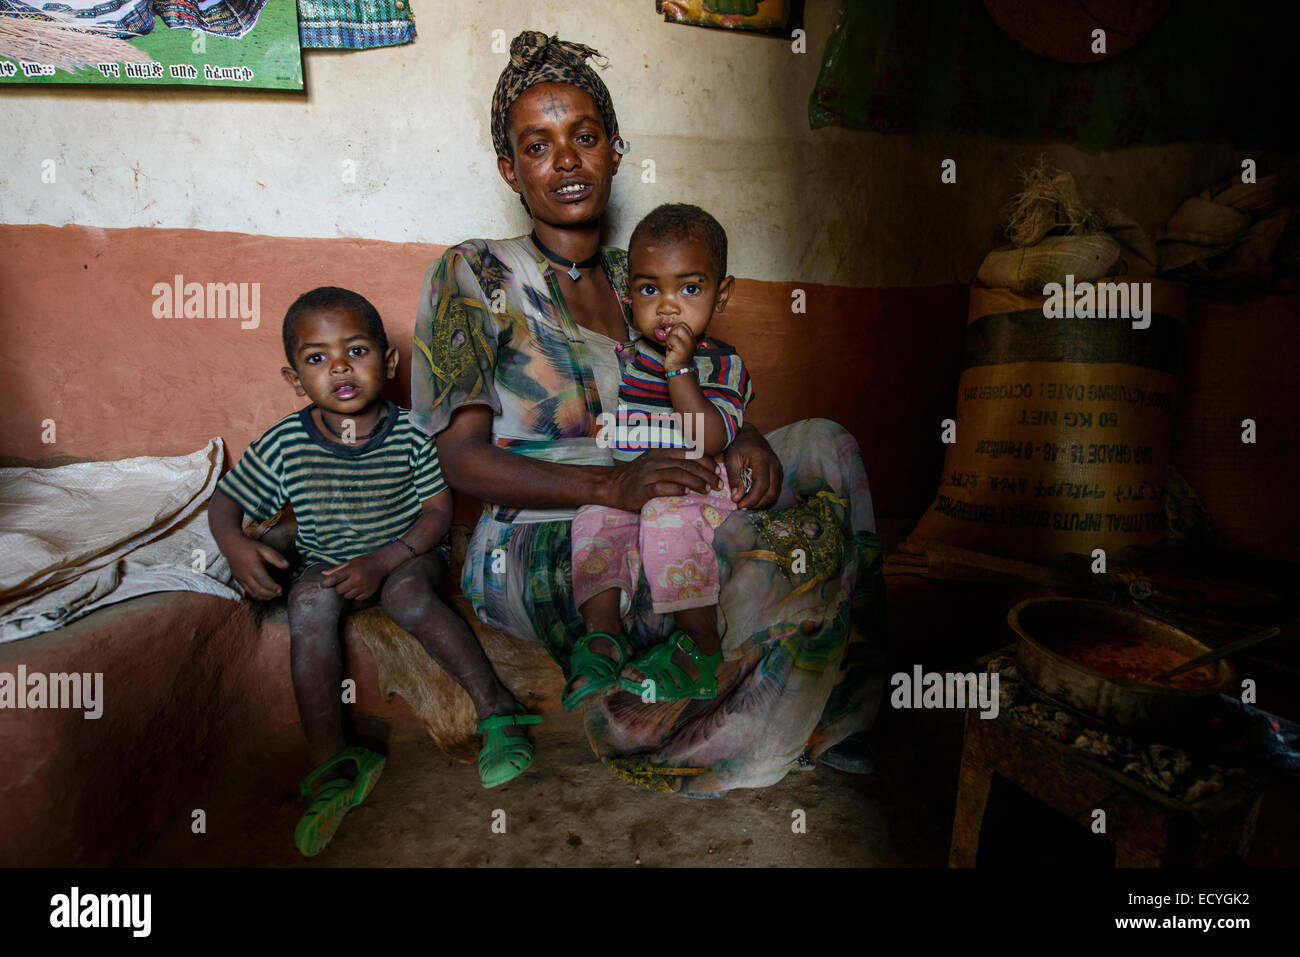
(1063, 423)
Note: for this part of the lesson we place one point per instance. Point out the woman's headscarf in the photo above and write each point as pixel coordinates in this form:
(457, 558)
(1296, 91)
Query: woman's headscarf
(536, 58)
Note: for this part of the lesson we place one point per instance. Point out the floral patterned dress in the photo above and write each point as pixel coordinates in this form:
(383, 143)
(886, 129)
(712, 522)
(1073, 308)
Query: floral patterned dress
(802, 605)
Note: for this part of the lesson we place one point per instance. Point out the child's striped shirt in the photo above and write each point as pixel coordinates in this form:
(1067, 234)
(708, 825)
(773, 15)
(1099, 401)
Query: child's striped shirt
(645, 417)
(348, 500)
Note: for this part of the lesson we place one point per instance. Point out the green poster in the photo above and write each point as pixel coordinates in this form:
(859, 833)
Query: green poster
(230, 43)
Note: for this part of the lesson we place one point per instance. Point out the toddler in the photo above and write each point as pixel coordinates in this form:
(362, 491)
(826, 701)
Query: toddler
(371, 508)
(682, 389)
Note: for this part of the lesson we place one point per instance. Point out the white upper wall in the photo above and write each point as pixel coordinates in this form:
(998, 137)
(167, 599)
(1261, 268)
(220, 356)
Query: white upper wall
(724, 117)
(414, 121)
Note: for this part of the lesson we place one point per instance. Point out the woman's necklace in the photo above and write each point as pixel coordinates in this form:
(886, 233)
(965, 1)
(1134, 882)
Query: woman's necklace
(555, 257)
(356, 438)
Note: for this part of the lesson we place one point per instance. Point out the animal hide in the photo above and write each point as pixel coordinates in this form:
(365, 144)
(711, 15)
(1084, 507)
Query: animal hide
(406, 669)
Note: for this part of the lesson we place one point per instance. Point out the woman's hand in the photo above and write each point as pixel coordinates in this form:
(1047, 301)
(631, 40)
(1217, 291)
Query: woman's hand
(471, 464)
(657, 473)
(750, 450)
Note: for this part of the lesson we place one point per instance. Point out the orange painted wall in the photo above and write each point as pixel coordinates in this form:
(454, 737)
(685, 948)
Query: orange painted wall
(86, 350)
(83, 348)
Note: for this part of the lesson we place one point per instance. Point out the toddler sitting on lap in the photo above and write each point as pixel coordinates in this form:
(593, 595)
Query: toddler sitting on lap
(680, 390)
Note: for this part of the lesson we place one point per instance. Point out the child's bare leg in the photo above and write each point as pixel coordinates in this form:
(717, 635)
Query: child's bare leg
(600, 613)
(410, 597)
(316, 662)
(702, 625)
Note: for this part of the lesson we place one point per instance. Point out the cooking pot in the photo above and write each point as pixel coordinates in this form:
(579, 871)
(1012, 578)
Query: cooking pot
(1048, 627)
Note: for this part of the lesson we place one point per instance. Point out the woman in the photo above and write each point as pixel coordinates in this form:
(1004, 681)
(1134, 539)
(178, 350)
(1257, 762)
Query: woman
(517, 349)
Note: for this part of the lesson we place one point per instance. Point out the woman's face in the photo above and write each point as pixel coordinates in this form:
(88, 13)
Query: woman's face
(564, 164)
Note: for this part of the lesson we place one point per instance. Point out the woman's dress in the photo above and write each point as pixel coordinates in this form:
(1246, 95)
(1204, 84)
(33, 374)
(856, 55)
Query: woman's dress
(802, 605)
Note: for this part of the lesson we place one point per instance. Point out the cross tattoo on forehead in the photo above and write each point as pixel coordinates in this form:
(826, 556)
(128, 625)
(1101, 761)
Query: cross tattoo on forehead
(554, 108)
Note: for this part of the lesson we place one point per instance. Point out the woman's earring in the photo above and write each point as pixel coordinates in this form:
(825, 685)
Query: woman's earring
(620, 147)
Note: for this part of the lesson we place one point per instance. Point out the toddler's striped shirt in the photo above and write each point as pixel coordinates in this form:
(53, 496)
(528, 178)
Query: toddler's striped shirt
(645, 417)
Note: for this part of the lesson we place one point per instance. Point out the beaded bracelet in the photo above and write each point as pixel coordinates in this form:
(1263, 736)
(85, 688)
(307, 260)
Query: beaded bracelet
(669, 375)
(398, 541)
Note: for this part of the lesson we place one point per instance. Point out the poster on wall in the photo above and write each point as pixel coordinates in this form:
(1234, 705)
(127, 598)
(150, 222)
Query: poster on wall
(227, 43)
(772, 17)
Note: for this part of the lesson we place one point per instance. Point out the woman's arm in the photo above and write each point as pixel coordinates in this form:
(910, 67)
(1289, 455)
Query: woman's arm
(473, 465)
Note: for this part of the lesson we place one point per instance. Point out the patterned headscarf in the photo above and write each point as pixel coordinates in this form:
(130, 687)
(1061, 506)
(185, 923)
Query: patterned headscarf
(536, 58)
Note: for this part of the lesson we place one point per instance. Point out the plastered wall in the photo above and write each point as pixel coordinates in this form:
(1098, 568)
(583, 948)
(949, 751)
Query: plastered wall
(723, 117)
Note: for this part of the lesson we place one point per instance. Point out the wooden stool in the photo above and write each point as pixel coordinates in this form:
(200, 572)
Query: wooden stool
(1148, 828)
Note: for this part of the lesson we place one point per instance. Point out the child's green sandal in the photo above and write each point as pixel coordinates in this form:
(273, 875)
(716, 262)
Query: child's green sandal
(601, 672)
(327, 803)
(670, 681)
(504, 757)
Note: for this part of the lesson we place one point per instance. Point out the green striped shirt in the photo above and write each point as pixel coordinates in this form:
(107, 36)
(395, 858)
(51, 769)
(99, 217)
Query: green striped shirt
(349, 500)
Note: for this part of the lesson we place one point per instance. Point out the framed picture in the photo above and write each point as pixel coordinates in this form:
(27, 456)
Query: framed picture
(230, 43)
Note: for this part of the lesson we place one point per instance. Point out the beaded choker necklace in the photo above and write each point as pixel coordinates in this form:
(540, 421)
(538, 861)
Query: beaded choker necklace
(555, 257)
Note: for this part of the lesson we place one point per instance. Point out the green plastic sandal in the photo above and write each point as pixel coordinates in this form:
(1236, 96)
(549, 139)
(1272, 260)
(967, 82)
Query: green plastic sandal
(601, 672)
(327, 803)
(671, 681)
(503, 758)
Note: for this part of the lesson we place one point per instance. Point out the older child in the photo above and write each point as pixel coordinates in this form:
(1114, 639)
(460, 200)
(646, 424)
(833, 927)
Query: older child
(372, 509)
(680, 390)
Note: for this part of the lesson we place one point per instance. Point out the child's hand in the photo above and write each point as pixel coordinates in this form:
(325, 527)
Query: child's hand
(358, 578)
(248, 560)
(679, 347)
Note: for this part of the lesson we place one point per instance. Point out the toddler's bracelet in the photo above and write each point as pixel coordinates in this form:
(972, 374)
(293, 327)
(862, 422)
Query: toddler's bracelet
(669, 375)
(398, 541)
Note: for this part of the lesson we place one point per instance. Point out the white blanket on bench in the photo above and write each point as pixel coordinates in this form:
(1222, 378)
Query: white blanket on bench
(78, 537)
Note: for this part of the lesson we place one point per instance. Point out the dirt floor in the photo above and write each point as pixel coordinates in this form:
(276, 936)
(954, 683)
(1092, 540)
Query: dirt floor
(567, 810)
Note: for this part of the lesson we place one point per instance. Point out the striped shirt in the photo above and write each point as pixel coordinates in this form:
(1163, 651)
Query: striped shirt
(349, 500)
(645, 418)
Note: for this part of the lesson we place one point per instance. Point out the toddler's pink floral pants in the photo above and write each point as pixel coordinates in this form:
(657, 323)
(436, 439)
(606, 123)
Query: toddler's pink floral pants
(672, 538)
